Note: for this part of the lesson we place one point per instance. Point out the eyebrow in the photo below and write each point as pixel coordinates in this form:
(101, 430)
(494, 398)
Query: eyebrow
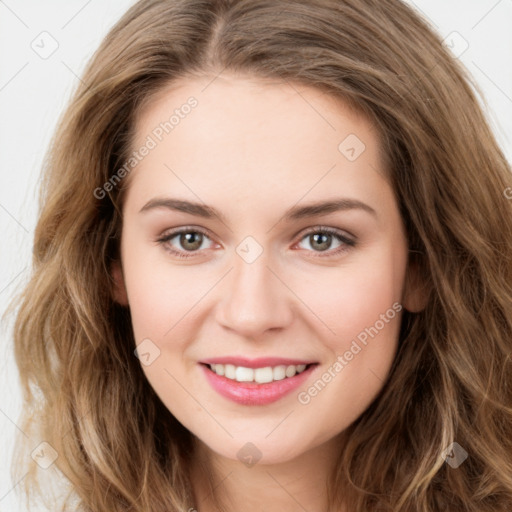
(294, 213)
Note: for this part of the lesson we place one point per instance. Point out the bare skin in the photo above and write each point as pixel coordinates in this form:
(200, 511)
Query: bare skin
(252, 150)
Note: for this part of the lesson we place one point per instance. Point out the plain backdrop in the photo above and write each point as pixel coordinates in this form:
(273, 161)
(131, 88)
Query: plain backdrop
(35, 87)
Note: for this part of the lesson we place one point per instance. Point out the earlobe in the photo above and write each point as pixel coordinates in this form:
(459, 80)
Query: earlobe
(119, 290)
(415, 295)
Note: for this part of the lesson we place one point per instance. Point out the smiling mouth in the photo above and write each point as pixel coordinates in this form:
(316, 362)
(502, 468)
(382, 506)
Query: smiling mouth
(262, 375)
(257, 386)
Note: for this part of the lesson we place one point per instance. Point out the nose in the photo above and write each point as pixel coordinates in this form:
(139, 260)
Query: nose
(255, 300)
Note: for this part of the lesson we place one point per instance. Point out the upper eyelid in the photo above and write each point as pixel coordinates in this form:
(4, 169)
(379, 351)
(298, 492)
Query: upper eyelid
(171, 233)
(329, 229)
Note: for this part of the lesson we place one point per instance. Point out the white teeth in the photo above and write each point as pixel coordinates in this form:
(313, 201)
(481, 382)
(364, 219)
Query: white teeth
(279, 372)
(290, 371)
(229, 370)
(262, 375)
(259, 375)
(244, 374)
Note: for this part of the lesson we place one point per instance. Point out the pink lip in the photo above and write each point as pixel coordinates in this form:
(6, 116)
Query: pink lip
(251, 393)
(261, 362)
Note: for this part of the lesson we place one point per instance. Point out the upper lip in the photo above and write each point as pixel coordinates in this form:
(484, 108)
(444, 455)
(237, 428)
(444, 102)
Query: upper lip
(259, 362)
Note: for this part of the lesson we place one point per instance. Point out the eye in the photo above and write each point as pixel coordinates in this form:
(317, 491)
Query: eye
(189, 239)
(321, 238)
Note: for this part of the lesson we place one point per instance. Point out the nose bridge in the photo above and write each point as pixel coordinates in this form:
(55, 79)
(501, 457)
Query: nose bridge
(255, 300)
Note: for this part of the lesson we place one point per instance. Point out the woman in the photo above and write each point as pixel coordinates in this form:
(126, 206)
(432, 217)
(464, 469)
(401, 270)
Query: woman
(255, 368)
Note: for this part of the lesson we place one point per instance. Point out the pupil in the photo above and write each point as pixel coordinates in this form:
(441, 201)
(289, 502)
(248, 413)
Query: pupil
(188, 238)
(325, 243)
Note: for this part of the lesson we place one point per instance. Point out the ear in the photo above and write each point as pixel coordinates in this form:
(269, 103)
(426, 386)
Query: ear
(416, 290)
(119, 291)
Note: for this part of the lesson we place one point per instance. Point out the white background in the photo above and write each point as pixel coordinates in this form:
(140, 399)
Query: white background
(34, 91)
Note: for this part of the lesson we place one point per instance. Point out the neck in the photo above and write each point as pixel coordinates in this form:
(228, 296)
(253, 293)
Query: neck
(298, 484)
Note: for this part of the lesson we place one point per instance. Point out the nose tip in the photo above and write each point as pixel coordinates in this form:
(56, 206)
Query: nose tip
(254, 300)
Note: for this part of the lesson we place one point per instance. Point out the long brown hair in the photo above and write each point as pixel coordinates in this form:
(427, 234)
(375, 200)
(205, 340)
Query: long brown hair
(118, 446)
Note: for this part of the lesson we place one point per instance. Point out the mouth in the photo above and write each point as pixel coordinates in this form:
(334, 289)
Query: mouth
(259, 375)
(257, 385)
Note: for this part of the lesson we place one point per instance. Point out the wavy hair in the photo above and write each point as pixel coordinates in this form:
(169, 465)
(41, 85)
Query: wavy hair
(85, 392)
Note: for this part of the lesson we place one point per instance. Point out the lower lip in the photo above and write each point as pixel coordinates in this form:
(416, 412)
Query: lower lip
(251, 393)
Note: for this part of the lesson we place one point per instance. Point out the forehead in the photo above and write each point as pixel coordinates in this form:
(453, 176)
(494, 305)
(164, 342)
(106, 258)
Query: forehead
(253, 137)
(250, 105)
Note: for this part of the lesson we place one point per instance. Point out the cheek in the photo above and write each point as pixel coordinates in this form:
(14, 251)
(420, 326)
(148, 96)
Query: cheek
(363, 308)
(159, 293)
(351, 299)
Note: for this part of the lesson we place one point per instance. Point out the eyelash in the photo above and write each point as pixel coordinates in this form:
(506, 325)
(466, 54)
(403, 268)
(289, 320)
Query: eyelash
(347, 242)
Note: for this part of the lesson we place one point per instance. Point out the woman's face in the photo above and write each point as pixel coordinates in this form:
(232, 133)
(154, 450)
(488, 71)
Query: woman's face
(292, 252)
